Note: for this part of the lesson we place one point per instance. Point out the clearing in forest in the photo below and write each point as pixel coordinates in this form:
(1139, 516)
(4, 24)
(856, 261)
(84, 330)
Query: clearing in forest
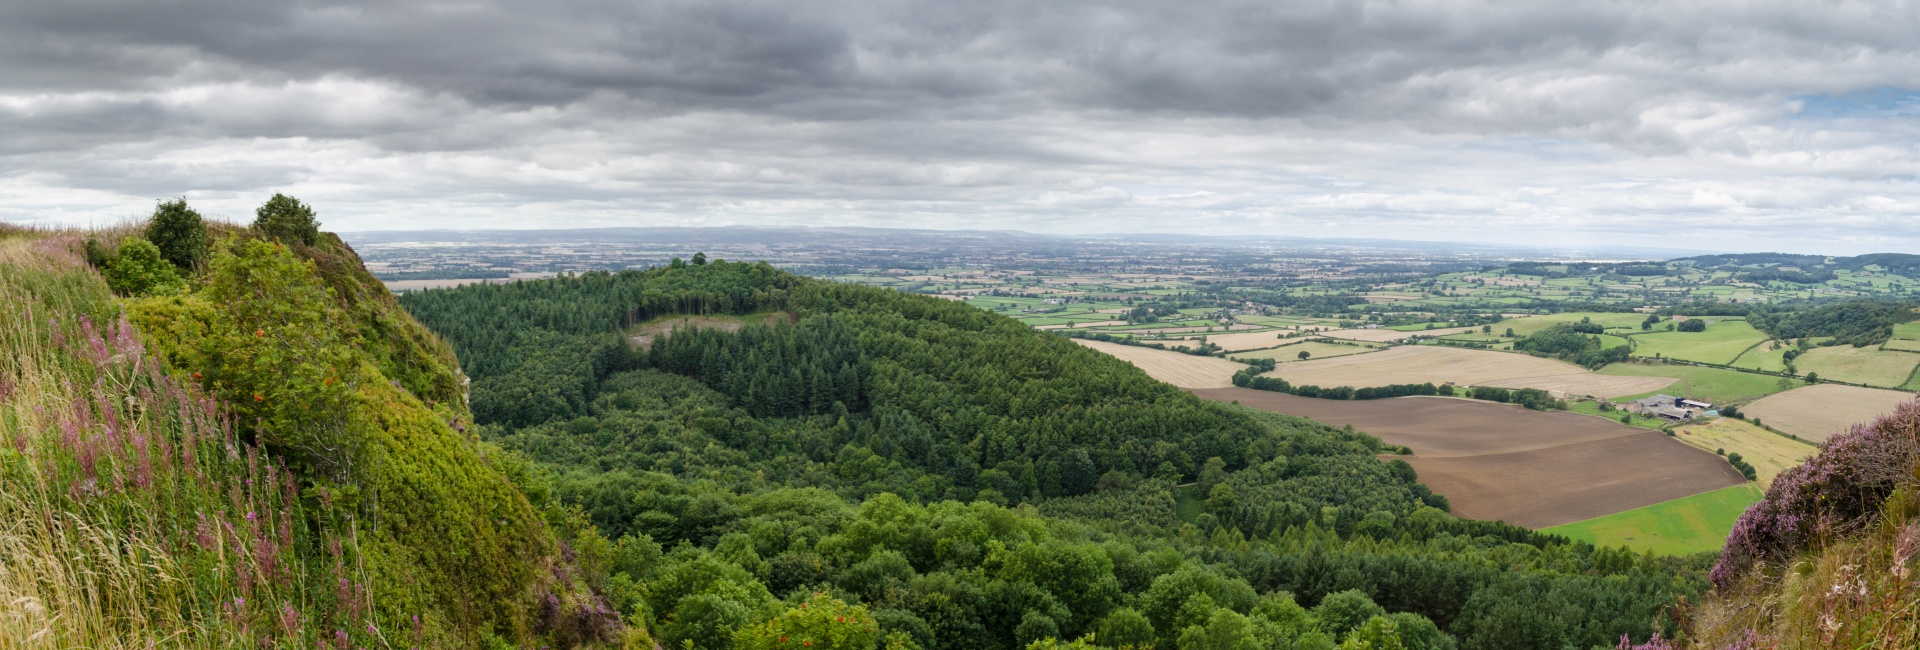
(1815, 412)
(1440, 364)
(1694, 524)
(642, 335)
(1502, 462)
(1179, 369)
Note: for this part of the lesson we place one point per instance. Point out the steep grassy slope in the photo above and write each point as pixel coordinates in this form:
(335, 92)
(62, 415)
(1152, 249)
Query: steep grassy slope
(267, 454)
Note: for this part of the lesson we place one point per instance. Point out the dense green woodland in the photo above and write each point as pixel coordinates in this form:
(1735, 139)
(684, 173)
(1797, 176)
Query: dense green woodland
(953, 479)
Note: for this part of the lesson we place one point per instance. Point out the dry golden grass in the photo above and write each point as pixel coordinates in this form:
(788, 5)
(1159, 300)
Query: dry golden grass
(1183, 370)
(1438, 364)
(1383, 335)
(1239, 341)
(1769, 453)
(1815, 412)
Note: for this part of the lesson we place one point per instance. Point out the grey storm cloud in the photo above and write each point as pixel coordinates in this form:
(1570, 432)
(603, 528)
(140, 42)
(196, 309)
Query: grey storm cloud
(1428, 118)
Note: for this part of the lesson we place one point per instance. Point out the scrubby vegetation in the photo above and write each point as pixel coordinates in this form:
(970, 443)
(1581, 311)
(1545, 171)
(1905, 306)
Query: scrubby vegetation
(260, 451)
(1572, 342)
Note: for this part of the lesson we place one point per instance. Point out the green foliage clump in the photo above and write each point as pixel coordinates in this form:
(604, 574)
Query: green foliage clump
(287, 219)
(179, 233)
(451, 537)
(139, 269)
(1566, 342)
(822, 622)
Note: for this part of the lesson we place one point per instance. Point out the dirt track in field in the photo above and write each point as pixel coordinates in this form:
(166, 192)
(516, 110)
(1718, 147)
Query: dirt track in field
(1502, 462)
(1817, 411)
(1179, 369)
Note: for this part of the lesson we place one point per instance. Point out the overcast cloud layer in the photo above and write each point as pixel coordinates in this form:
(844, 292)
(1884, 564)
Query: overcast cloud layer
(1787, 125)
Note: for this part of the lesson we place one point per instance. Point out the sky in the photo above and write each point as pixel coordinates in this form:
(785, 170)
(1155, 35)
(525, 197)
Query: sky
(1740, 126)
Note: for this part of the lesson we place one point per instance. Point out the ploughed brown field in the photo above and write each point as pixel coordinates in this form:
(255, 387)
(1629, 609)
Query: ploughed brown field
(1503, 462)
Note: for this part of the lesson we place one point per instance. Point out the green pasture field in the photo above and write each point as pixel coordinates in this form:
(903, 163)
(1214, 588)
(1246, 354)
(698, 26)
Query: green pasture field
(1695, 524)
(1721, 343)
(1759, 357)
(1908, 331)
(1870, 366)
(1531, 324)
(1716, 385)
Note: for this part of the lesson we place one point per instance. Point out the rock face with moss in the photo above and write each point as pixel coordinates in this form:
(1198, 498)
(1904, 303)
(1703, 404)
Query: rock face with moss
(291, 452)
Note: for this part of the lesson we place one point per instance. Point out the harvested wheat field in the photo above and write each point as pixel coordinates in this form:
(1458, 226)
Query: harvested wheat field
(1183, 370)
(1439, 364)
(1815, 412)
(1502, 462)
(1382, 335)
(1770, 453)
(1237, 341)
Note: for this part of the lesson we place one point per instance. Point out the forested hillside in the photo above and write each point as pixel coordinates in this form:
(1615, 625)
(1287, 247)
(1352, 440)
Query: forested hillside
(943, 477)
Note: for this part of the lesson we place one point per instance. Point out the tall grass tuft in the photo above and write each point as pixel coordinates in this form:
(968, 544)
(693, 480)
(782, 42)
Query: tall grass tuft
(131, 513)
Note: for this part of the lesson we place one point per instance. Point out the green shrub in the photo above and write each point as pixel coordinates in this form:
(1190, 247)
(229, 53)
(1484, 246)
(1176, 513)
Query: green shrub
(139, 269)
(179, 233)
(287, 219)
(822, 623)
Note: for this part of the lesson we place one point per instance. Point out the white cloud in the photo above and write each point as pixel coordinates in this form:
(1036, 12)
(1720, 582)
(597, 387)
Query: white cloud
(1731, 121)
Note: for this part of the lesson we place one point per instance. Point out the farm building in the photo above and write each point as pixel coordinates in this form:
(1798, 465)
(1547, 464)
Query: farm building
(1667, 406)
(1645, 404)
